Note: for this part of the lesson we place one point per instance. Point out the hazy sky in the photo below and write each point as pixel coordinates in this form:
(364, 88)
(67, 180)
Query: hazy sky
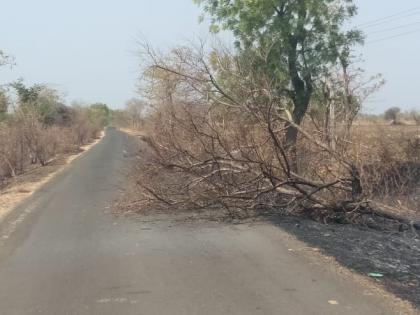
(85, 47)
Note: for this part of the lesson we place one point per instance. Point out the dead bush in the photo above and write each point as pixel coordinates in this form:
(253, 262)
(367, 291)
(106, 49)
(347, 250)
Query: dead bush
(388, 159)
(220, 144)
(83, 130)
(215, 139)
(25, 140)
(13, 151)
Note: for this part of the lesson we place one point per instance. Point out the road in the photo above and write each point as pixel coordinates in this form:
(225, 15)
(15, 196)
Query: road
(62, 252)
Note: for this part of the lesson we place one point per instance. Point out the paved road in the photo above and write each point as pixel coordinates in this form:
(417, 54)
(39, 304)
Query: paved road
(61, 253)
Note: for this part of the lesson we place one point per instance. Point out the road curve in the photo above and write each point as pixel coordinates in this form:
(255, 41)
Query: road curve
(62, 253)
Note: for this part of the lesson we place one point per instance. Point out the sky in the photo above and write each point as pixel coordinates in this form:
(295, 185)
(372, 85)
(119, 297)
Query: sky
(86, 48)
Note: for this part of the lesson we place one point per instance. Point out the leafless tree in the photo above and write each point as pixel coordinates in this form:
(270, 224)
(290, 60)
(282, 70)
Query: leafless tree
(216, 138)
(416, 117)
(135, 110)
(6, 59)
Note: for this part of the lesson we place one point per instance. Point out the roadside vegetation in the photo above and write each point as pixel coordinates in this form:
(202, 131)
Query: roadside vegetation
(273, 124)
(36, 126)
(272, 127)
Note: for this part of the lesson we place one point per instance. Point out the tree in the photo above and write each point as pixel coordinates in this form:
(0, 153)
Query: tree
(26, 95)
(39, 98)
(4, 104)
(6, 59)
(392, 114)
(48, 105)
(219, 143)
(134, 110)
(298, 40)
(4, 100)
(416, 117)
(99, 114)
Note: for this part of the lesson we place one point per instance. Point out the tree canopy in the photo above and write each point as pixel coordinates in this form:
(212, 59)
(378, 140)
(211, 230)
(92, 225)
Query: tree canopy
(295, 41)
(4, 104)
(39, 98)
(99, 114)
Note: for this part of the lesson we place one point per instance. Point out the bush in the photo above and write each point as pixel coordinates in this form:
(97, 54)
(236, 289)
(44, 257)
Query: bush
(392, 114)
(388, 158)
(25, 139)
(216, 140)
(13, 151)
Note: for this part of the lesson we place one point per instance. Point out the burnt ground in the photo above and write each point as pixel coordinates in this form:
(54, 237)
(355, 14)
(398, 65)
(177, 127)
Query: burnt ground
(396, 255)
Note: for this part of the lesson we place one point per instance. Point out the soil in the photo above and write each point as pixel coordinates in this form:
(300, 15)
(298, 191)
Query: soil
(395, 255)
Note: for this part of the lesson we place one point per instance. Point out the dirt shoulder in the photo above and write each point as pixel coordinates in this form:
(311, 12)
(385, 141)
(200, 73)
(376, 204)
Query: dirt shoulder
(18, 189)
(131, 132)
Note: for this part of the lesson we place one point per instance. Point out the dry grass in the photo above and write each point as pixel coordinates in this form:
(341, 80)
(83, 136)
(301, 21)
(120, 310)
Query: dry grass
(389, 159)
(386, 156)
(133, 132)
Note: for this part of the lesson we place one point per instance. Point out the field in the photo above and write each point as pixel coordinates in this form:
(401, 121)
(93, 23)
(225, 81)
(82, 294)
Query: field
(390, 158)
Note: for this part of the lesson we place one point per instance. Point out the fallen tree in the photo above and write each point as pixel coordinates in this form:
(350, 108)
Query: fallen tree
(216, 138)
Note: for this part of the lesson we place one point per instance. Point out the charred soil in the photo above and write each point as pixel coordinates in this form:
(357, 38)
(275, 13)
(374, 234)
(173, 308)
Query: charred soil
(392, 254)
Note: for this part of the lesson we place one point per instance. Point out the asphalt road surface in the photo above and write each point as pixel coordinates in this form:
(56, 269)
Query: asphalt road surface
(62, 252)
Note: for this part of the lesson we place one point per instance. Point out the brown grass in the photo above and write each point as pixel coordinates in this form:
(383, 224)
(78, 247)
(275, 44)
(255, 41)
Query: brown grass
(389, 159)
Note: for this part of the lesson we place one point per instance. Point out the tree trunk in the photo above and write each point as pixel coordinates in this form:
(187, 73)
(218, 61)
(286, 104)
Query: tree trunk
(301, 95)
(301, 105)
(292, 132)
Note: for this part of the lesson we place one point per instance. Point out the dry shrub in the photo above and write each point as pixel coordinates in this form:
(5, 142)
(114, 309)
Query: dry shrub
(25, 140)
(42, 142)
(197, 159)
(216, 139)
(13, 152)
(389, 161)
(49, 144)
(83, 130)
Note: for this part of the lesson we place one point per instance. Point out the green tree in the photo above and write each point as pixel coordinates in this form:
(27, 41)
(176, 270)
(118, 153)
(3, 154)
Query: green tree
(99, 114)
(296, 40)
(43, 100)
(27, 96)
(47, 105)
(4, 100)
(393, 114)
(4, 104)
